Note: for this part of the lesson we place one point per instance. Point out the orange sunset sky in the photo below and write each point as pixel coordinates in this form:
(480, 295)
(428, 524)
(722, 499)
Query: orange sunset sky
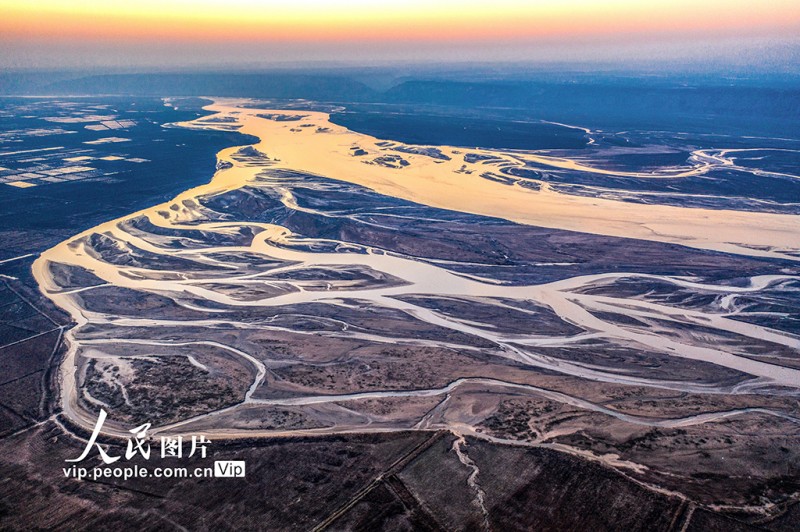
(164, 32)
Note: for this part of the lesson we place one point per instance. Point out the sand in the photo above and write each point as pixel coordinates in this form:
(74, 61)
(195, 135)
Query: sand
(438, 184)
(21, 184)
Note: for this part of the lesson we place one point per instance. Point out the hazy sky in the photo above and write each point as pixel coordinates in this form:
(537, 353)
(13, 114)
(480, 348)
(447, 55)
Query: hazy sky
(168, 33)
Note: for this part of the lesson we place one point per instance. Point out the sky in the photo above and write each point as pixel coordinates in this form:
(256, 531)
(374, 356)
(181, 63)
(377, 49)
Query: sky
(183, 33)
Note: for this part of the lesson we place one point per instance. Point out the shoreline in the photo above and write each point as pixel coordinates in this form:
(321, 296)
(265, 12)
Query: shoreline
(442, 184)
(423, 181)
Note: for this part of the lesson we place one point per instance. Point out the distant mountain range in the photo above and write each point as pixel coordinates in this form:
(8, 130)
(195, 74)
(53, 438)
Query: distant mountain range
(762, 105)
